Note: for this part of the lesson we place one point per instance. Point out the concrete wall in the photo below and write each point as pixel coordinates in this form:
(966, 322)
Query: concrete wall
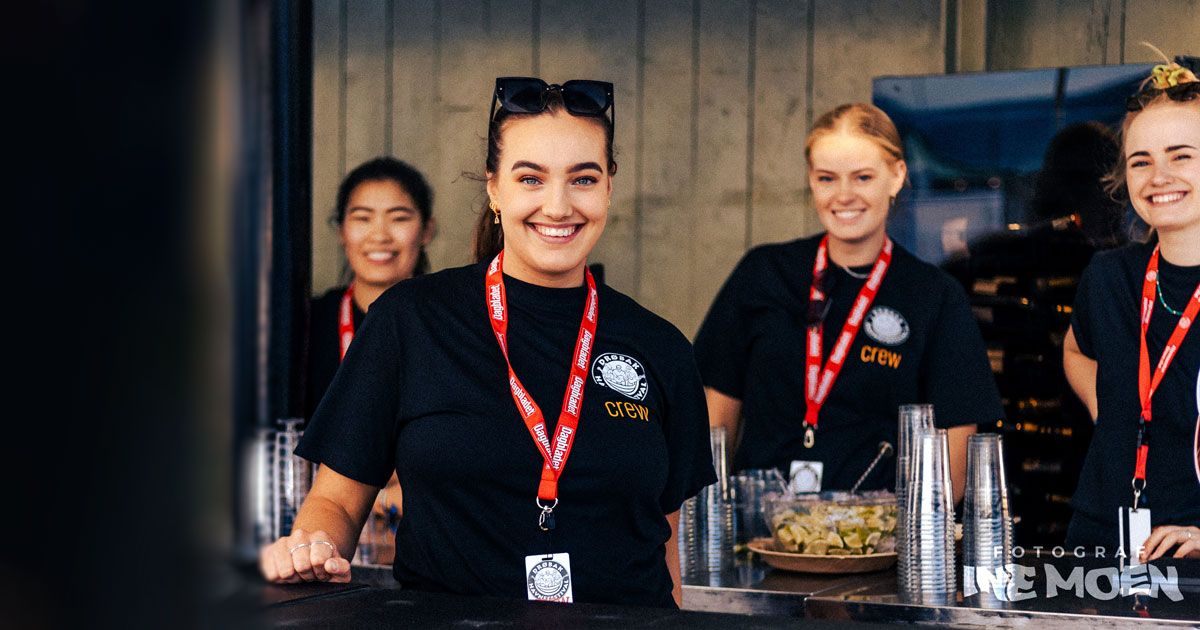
(713, 101)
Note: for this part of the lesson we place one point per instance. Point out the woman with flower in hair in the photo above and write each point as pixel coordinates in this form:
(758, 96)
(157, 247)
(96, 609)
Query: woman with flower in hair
(1129, 354)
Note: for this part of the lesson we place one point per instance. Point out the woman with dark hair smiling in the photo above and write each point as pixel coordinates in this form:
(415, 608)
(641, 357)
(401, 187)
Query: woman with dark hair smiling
(384, 216)
(454, 378)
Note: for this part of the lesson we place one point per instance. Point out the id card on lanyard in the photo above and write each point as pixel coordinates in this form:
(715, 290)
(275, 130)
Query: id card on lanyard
(1135, 521)
(548, 575)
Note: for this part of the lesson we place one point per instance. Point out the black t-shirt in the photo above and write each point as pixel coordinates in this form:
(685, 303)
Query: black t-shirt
(918, 344)
(324, 348)
(1106, 325)
(424, 390)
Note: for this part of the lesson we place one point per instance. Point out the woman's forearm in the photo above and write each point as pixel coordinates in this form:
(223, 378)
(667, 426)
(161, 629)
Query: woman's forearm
(321, 514)
(1081, 373)
(338, 506)
(673, 559)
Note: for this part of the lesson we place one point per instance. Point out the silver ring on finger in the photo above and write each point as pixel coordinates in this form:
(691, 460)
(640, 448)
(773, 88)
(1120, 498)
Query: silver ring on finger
(300, 546)
(327, 543)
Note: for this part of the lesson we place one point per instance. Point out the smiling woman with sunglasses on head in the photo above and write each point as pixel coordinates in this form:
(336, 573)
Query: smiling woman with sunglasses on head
(811, 345)
(545, 429)
(1129, 354)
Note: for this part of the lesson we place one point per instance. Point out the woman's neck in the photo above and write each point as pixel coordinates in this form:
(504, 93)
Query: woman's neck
(516, 268)
(366, 294)
(856, 253)
(1181, 247)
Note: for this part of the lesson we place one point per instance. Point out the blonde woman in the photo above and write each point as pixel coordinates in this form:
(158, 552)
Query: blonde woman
(811, 345)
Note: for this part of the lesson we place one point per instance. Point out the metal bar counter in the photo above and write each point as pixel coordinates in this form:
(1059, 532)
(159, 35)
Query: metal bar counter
(753, 589)
(748, 596)
(370, 603)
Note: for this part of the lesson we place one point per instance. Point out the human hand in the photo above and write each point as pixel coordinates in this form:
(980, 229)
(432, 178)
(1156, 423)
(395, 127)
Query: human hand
(303, 557)
(1164, 537)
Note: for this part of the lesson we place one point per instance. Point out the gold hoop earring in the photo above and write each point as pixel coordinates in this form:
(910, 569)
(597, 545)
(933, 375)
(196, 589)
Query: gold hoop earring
(495, 211)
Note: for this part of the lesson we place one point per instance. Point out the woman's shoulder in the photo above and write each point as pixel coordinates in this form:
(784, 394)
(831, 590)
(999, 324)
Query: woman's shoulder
(923, 276)
(332, 296)
(786, 254)
(1129, 256)
(638, 321)
(447, 286)
(324, 308)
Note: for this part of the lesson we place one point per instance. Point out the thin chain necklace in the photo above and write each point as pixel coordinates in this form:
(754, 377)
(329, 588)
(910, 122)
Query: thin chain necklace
(1161, 300)
(855, 274)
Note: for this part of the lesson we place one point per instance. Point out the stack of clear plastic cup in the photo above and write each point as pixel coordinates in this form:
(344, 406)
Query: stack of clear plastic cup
(261, 486)
(929, 516)
(913, 420)
(987, 521)
(750, 489)
(716, 509)
(691, 557)
(292, 475)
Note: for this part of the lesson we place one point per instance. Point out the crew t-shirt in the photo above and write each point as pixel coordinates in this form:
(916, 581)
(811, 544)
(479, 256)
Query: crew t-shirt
(1106, 325)
(918, 344)
(324, 347)
(424, 390)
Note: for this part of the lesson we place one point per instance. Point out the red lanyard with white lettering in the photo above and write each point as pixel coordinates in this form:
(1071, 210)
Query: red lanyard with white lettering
(818, 382)
(554, 452)
(346, 321)
(1148, 384)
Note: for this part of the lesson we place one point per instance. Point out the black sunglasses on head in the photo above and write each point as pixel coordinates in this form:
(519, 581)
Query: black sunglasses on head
(1182, 92)
(527, 95)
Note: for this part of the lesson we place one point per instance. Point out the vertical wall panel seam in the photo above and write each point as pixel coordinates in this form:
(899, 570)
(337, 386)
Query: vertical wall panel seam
(694, 157)
(536, 27)
(694, 147)
(987, 40)
(751, 50)
(1106, 24)
(810, 16)
(951, 20)
(343, 69)
(809, 28)
(639, 147)
(389, 97)
(435, 146)
(1121, 58)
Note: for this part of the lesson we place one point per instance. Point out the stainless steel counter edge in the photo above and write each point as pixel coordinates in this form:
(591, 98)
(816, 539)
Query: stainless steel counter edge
(959, 616)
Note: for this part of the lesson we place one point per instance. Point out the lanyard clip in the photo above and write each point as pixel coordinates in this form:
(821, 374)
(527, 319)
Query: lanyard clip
(809, 436)
(1138, 486)
(546, 518)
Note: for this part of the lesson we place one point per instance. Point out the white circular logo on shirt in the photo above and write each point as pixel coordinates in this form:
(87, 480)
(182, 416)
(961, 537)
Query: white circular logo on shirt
(621, 373)
(886, 326)
(549, 580)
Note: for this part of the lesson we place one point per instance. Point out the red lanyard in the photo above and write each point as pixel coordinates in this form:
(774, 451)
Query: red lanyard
(556, 451)
(817, 389)
(346, 321)
(1147, 385)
